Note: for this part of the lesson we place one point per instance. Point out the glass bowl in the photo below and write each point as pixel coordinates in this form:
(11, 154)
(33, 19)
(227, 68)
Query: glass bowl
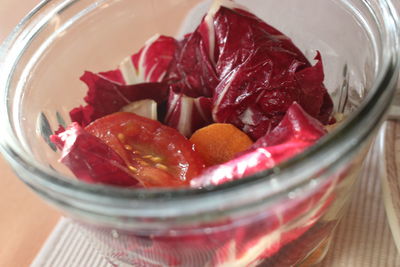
(279, 217)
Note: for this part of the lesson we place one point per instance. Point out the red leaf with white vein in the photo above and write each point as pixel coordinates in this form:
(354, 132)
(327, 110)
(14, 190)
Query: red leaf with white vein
(262, 72)
(151, 63)
(296, 126)
(187, 114)
(252, 244)
(105, 97)
(191, 70)
(113, 75)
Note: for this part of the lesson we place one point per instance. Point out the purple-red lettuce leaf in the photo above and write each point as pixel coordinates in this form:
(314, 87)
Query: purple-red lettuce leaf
(310, 80)
(261, 71)
(138, 77)
(250, 95)
(187, 114)
(294, 133)
(113, 75)
(296, 126)
(255, 100)
(90, 159)
(250, 163)
(150, 64)
(105, 97)
(236, 44)
(193, 81)
(191, 70)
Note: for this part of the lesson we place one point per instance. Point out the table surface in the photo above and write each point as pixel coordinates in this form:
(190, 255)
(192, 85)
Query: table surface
(26, 220)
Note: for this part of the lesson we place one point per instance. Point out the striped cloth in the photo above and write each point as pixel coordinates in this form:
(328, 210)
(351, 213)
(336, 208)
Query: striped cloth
(363, 239)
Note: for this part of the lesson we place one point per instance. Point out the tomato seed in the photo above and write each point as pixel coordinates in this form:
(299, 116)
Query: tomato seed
(121, 137)
(133, 169)
(143, 163)
(128, 147)
(156, 159)
(161, 166)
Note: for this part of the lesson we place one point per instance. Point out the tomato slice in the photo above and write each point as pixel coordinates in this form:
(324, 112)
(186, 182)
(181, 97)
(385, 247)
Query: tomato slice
(156, 155)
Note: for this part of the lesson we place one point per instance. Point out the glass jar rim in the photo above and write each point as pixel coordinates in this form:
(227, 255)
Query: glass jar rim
(340, 142)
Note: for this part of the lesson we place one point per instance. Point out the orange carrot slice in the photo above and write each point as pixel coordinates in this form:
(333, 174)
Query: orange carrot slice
(220, 142)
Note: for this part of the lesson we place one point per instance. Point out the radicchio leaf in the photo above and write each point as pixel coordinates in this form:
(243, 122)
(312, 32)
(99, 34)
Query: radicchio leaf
(113, 75)
(295, 133)
(187, 114)
(310, 80)
(250, 163)
(90, 159)
(296, 126)
(105, 97)
(192, 70)
(151, 63)
(256, 243)
(262, 72)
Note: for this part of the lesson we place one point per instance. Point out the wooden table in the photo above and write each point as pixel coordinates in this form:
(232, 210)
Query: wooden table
(25, 220)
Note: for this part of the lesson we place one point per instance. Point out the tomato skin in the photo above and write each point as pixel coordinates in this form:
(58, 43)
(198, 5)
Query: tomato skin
(157, 155)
